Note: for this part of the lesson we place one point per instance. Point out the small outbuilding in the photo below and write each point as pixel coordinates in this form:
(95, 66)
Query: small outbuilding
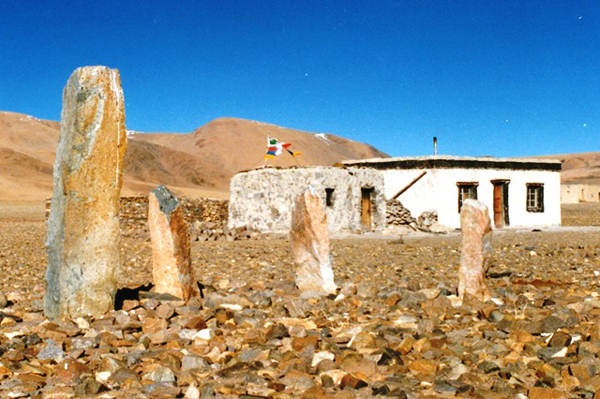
(263, 199)
(575, 193)
(518, 192)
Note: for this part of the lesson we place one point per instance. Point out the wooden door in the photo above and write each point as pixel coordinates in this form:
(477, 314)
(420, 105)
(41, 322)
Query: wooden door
(498, 205)
(501, 204)
(366, 208)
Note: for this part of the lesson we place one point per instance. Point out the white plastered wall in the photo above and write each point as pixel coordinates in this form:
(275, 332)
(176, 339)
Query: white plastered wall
(575, 193)
(438, 190)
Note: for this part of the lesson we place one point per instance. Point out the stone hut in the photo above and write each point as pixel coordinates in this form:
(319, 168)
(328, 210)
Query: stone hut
(263, 199)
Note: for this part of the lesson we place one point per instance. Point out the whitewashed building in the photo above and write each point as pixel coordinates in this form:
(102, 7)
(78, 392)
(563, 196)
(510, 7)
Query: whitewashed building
(575, 193)
(518, 192)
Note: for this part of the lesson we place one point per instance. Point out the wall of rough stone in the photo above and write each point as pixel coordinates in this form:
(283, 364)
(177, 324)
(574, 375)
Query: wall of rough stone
(210, 213)
(262, 199)
(202, 209)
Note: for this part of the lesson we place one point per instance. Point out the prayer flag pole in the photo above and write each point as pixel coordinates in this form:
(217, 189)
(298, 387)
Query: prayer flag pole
(268, 142)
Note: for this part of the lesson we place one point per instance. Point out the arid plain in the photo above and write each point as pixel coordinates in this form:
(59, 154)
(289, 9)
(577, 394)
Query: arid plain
(396, 328)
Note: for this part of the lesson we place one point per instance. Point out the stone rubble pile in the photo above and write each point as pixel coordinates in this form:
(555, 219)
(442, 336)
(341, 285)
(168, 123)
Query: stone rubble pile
(398, 215)
(427, 219)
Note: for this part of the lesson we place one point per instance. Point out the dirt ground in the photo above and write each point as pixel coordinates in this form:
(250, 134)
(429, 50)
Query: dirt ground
(582, 214)
(437, 349)
(22, 251)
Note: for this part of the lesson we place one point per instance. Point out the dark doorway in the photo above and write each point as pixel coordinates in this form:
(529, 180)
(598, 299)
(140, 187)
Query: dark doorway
(501, 203)
(366, 208)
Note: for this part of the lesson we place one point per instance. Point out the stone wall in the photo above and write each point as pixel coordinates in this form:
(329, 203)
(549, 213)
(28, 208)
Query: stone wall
(201, 209)
(263, 199)
(207, 219)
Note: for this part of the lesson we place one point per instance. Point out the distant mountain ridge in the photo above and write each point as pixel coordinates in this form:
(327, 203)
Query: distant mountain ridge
(582, 168)
(199, 163)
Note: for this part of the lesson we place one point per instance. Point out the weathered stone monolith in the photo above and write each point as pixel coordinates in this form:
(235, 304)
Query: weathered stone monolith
(83, 226)
(476, 252)
(171, 260)
(309, 239)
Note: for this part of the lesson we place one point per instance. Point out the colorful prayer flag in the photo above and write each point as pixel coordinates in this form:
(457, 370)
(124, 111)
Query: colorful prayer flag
(275, 148)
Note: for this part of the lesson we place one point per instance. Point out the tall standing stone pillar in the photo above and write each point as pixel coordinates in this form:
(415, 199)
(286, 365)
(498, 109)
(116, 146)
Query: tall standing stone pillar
(171, 255)
(83, 227)
(476, 252)
(309, 239)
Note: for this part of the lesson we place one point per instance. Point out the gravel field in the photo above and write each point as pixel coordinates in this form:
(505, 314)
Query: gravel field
(582, 214)
(396, 329)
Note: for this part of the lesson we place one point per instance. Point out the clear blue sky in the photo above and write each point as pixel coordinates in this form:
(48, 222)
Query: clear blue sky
(500, 78)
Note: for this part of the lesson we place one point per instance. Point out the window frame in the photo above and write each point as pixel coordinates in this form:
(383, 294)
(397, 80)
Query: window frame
(538, 190)
(471, 185)
(329, 196)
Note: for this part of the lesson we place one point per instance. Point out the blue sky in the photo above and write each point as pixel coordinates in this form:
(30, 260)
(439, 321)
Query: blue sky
(509, 78)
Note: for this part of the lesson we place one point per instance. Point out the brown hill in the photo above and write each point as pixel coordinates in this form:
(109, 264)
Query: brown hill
(234, 144)
(579, 168)
(194, 164)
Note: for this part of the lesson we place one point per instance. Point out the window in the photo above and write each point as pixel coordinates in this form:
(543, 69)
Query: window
(535, 197)
(329, 196)
(465, 191)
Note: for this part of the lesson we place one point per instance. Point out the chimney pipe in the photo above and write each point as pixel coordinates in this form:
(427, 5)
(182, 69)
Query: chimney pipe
(435, 146)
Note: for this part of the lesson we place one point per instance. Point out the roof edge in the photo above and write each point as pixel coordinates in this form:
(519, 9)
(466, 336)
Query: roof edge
(453, 162)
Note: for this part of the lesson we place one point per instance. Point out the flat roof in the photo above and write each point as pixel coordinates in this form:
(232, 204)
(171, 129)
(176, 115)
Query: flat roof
(454, 162)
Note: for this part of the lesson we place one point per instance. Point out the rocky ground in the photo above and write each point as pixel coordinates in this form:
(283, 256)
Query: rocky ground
(583, 214)
(396, 328)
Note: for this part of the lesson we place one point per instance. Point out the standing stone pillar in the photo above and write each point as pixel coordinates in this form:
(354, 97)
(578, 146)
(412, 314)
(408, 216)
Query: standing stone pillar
(476, 252)
(309, 239)
(83, 227)
(171, 259)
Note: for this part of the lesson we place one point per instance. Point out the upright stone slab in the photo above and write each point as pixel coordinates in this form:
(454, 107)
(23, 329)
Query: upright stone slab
(309, 239)
(171, 260)
(476, 252)
(83, 227)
